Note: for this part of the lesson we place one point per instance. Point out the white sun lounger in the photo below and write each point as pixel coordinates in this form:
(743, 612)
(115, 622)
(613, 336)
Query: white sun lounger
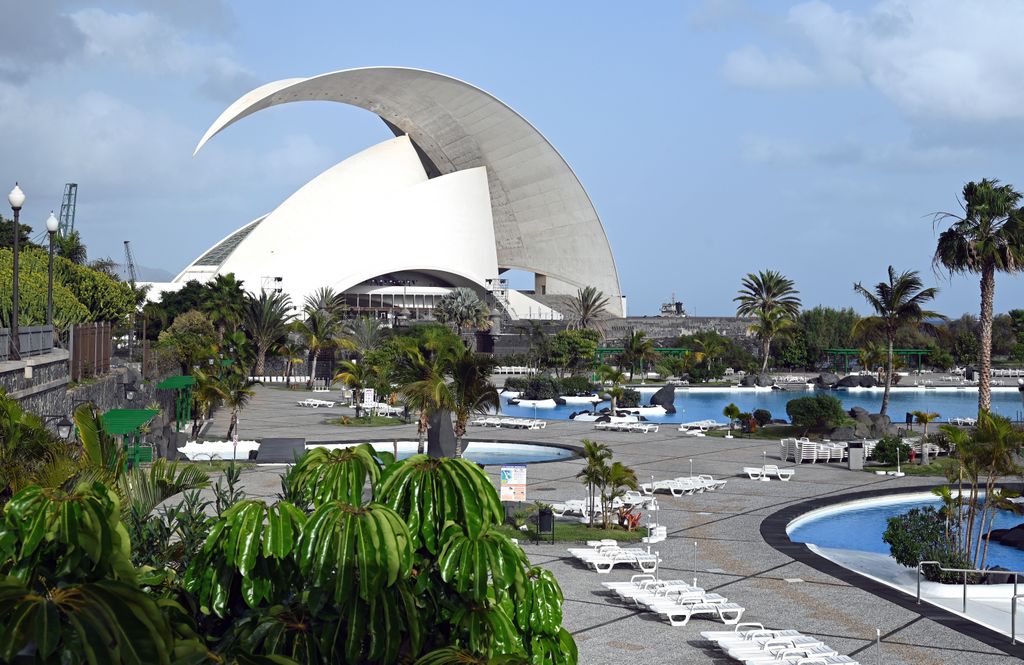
(680, 615)
(746, 631)
(781, 474)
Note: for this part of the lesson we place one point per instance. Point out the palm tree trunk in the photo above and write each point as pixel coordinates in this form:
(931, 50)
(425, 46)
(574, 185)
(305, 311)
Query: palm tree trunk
(261, 360)
(888, 378)
(988, 291)
(460, 431)
(312, 369)
(421, 432)
(766, 347)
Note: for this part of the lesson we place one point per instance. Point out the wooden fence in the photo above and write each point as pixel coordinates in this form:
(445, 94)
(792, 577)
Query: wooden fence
(90, 345)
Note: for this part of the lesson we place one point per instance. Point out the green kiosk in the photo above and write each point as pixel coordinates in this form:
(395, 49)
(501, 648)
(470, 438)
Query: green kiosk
(127, 424)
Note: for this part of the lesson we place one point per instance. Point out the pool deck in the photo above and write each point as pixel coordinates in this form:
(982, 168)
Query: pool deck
(733, 559)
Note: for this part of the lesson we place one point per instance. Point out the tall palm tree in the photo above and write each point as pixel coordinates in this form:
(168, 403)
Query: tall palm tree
(987, 238)
(586, 310)
(319, 331)
(293, 353)
(266, 321)
(470, 390)
(224, 303)
(361, 335)
(595, 458)
(770, 298)
(234, 389)
(463, 310)
(326, 299)
(898, 304)
(638, 349)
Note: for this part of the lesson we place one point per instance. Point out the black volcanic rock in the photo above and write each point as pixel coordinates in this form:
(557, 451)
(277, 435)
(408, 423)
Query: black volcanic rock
(441, 436)
(665, 398)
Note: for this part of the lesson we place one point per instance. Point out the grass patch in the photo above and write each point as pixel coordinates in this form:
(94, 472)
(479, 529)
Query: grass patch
(366, 421)
(937, 467)
(571, 531)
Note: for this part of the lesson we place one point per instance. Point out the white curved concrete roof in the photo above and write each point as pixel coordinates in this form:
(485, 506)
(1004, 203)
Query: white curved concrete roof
(544, 222)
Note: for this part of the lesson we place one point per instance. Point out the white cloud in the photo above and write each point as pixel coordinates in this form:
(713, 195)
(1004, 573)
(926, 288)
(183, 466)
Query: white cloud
(750, 67)
(897, 156)
(944, 59)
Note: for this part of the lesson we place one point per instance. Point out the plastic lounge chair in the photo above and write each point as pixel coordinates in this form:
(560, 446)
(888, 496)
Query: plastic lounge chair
(711, 482)
(754, 472)
(742, 631)
(781, 474)
(680, 615)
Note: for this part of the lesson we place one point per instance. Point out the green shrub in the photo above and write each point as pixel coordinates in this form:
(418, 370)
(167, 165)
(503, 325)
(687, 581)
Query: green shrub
(819, 411)
(630, 398)
(576, 385)
(516, 383)
(920, 535)
(541, 387)
(762, 417)
(885, 451)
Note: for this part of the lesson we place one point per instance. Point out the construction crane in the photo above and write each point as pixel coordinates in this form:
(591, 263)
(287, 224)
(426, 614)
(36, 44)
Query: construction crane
(129, 263)
(67, 209)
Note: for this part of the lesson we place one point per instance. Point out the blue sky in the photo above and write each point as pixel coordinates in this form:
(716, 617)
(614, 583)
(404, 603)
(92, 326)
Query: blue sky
(715, 138)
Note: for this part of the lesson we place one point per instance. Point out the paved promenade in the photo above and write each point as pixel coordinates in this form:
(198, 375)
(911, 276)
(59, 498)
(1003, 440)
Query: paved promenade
(733, 559)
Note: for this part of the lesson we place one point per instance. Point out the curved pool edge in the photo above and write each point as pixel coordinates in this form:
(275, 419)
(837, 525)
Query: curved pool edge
(774, 532)
(577, 451)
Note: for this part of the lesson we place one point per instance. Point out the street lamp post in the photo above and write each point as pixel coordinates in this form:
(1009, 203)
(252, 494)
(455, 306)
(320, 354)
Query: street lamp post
(17, 199)
(51, 228)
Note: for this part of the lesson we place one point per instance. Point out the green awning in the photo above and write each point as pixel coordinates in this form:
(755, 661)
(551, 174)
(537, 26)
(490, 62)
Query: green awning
(176, 382)
(126, 421)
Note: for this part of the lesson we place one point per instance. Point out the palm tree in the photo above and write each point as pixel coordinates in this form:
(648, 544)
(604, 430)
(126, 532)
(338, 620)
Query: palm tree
(873, 357)
(318, 331)
(70, 247)
(617, 479)
(898, 305)
(293, 354)
(710, 347)
(234, 389)
(770, 298)
(266, 320)
(732, 412)
(470, 390)
(421, 375)
(924, 418)
(358, 377)
(224, 303)
(361, 335)
(638, 350)
(326, 299)
(595, 457)
(463, 310)
(607, 373)
(586, 310)
(987, 238)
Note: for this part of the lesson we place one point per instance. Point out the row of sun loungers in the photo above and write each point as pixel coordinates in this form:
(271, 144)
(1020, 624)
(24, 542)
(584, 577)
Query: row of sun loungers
(627, 427)
(605, 557)
(674, 600)
(683, 486)
(510, 423)
(964, 422)
(699, 427)
(768, 471)
(316, 403)
(752, 644)
(581, 507)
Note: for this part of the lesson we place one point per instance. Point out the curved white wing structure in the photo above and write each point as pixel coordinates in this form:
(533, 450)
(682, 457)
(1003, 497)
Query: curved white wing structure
(542, 219)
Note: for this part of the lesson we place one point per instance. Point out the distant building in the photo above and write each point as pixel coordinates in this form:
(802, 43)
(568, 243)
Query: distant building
(467, 190)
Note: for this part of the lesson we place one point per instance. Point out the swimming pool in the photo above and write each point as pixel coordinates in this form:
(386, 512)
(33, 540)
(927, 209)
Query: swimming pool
(859, 525)
(707, 403)
(481, 452)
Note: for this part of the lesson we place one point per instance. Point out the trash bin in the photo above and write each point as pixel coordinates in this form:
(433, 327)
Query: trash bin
(855, 456)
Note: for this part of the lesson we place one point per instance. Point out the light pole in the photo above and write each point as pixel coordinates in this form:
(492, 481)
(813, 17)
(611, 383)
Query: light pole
(51, 228)
(17, 199)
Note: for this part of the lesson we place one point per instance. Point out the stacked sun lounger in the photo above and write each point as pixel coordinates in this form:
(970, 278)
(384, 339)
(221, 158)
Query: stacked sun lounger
(751, 643)
(683, 485)
(674, 600)
(627, 427)
(964, 422)
(604, 557)
(699, 427)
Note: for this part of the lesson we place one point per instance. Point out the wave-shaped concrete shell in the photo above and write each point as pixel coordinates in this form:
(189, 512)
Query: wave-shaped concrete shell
(544, 222)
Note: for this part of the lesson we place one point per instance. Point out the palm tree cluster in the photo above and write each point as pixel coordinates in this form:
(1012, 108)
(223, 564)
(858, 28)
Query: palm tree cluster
(605, 482)
(773, 301)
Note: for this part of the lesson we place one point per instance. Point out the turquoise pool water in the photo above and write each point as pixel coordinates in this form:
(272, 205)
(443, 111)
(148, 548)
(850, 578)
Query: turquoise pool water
(860, 527)
(482, 452)
(705, 403)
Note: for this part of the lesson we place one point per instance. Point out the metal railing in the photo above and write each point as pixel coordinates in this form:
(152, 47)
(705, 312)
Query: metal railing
(1013, 599)
(32, 341)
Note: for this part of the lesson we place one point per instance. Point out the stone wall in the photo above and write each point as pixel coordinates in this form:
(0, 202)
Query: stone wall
(666, 329)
